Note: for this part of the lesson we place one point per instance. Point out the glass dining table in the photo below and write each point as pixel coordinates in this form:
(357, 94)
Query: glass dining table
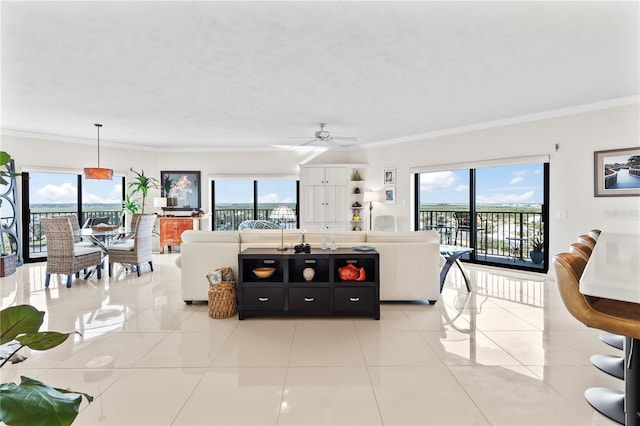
(103, 238)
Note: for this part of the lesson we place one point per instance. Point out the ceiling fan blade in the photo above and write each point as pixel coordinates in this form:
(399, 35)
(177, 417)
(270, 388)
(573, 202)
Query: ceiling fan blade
(300, 137)
(344, 138)
(308, 142)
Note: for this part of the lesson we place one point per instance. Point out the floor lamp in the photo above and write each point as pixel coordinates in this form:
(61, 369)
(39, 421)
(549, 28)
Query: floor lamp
(370, 197)
(282, 214)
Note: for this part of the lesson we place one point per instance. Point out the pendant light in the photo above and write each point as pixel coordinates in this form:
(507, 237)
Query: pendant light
(97, 172)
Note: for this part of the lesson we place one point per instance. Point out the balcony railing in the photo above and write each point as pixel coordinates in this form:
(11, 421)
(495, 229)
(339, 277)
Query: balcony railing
(494, 228)
(224, 220)
(501, 234)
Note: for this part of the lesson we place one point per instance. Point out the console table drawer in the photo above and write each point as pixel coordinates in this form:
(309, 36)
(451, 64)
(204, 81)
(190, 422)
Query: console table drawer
(263, 298)
(354, 299)
(309, 299)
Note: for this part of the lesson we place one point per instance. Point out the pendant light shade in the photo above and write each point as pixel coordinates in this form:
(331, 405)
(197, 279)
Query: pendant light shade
(98, 172)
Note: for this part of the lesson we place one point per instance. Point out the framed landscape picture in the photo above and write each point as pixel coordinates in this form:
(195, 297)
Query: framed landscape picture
(617, 172)
(182, 189)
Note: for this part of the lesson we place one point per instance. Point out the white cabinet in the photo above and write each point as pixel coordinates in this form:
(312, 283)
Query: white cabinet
(324, 197)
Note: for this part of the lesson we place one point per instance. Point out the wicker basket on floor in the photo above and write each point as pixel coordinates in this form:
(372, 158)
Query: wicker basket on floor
(222, 300)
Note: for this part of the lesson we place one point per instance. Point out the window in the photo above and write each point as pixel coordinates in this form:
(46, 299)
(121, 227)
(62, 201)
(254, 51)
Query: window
(498, 210)
(237, 200)
(52, 194)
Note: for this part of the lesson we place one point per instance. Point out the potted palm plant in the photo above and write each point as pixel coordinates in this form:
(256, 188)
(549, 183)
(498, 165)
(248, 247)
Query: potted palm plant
(536, 254)
(143, 184)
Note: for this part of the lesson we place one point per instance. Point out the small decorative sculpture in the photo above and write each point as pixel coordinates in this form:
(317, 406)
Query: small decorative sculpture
(308, 273)
(352, 273)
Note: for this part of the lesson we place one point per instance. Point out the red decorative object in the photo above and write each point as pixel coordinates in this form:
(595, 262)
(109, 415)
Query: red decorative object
(352, 273)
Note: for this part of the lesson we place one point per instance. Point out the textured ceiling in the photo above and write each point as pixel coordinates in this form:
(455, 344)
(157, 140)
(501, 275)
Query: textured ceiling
(226, 75)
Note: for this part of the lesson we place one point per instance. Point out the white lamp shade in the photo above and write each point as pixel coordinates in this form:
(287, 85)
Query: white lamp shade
(371, 196)
(159, 202)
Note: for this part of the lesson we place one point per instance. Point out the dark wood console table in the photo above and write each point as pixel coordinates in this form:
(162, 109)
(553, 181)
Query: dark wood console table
(287, 292)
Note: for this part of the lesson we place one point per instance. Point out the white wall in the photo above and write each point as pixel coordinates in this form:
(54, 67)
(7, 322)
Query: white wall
(571, 167)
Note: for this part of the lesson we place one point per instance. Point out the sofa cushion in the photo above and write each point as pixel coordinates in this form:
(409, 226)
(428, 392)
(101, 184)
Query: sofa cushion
(342, 238)
(191, 236)
(397, 237)
(269, 238)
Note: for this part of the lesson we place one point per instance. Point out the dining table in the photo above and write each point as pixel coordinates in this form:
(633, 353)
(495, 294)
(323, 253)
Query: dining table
(103, 238)
(613, 272)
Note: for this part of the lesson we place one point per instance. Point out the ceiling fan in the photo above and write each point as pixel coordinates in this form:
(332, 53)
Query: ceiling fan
(325, 137)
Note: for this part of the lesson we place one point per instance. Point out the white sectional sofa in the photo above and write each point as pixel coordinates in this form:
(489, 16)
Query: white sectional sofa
(409, 261)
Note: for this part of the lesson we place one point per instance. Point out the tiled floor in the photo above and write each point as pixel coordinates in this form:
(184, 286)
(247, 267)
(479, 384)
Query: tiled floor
(506, 354)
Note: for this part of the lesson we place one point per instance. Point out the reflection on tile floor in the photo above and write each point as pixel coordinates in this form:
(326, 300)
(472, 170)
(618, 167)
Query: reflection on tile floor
(506, 354)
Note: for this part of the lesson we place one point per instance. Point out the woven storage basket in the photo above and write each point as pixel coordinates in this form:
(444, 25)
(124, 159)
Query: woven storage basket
(222, 300)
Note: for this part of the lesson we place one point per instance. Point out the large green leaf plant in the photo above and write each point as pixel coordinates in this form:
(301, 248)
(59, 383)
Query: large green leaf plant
(142, 184)
(32, 402)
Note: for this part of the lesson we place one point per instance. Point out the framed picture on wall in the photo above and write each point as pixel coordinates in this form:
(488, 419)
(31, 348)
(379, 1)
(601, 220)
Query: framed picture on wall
(617, 172)
(182, 189)
(390, 195)
(389, 176)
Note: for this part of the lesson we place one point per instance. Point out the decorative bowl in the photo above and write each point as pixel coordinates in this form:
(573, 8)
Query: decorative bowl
(264, 272)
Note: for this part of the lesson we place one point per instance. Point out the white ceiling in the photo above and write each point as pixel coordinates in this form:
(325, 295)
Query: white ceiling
(235, 75)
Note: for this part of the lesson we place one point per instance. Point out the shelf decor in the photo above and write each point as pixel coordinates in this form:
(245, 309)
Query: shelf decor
(617, 173)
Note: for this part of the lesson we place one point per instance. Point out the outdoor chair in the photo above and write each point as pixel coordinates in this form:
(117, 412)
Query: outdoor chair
(135, 251)
(462, 223)
(63, 255)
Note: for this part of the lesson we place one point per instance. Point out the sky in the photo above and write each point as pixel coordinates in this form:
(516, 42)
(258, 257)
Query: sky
(55, 188)
(520, 184)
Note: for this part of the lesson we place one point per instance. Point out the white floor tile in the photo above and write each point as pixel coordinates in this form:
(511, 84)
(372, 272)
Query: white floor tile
(508, 353)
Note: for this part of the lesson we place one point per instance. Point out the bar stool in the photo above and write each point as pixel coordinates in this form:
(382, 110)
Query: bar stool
(587, 240)
(581, 249)
(613, 316)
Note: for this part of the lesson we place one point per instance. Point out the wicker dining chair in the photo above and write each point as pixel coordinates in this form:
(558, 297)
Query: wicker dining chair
(75, 226)
(135, 251)
(63, 255)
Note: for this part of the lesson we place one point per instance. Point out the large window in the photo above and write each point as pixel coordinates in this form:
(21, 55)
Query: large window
(51, 194)
(237, 200)
(496, 210)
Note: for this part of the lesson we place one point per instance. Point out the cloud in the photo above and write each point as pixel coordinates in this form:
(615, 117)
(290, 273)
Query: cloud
(506, 198)
(437, 181)
(65, 193)
(273, 198)
(269, 198)
(461, 188)
(520, 172)
(516, 180)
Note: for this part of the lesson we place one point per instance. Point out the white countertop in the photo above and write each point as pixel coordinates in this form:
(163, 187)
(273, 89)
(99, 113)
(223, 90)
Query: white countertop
(613, 270)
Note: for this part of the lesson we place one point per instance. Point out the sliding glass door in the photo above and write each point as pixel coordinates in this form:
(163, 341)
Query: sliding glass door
(49, 194)
(498, 211)
(237, 200)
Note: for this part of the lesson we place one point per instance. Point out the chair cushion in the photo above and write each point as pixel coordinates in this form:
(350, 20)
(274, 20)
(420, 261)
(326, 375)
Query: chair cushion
(79, 251)
(125, 246)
